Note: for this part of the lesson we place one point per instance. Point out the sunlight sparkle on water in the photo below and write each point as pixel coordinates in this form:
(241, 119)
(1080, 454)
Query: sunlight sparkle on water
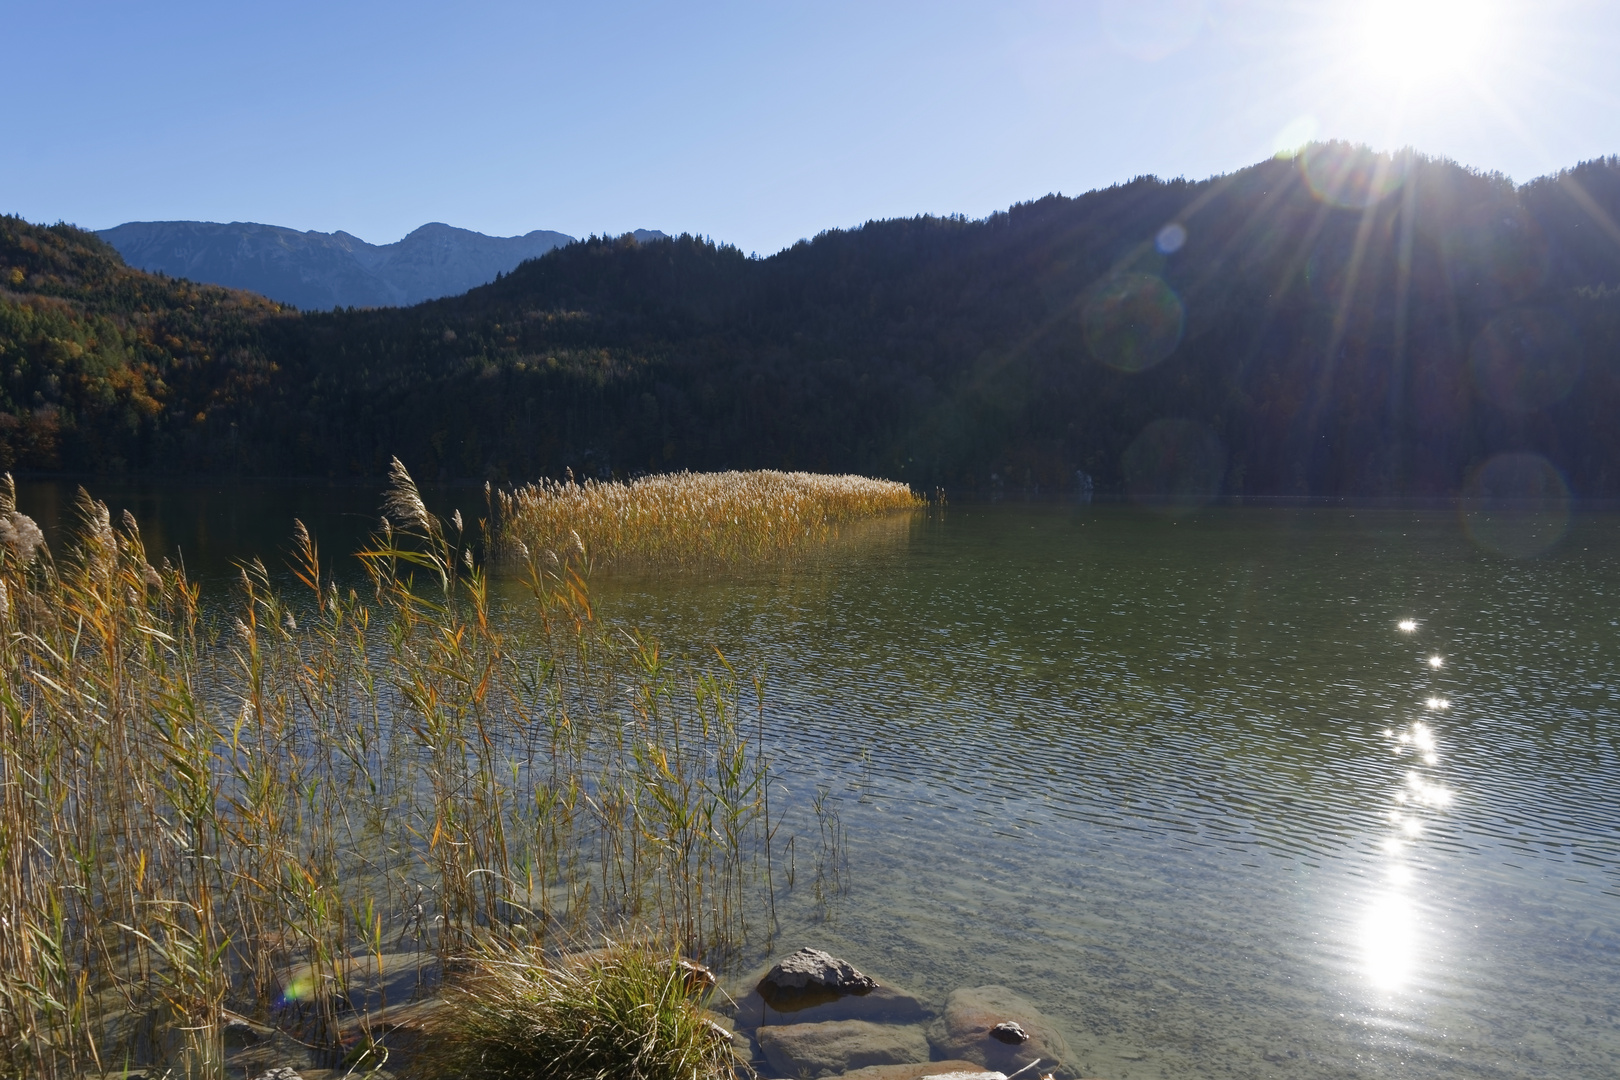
(1406, 626)
(1436, 662)
(1388, 935)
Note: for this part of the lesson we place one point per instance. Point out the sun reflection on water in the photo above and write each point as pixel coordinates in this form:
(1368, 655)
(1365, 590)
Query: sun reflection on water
(1389, 936)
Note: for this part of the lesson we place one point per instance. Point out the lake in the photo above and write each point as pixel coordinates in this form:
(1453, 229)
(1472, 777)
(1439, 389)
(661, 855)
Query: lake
(1184, 780)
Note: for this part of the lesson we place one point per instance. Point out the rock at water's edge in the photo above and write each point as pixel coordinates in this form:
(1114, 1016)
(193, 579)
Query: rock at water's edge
(972, 1015)
(838, 1046)
(812, 967)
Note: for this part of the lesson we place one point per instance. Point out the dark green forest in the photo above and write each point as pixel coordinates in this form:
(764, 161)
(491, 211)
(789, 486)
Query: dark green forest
(1339, 323)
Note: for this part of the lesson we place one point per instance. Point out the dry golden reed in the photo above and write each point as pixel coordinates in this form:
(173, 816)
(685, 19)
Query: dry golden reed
(257, 806)
(691, 518)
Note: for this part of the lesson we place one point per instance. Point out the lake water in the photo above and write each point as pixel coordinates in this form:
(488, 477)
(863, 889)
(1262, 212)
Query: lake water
(1183, 780)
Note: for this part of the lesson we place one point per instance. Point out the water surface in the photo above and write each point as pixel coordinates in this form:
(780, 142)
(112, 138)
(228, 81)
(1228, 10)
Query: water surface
(1180, 779)
(1184, 781)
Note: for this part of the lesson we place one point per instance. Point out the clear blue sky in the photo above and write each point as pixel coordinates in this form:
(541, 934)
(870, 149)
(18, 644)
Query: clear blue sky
(755, 123)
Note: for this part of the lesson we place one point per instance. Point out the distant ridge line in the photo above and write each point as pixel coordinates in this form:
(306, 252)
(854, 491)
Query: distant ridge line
(316, 270)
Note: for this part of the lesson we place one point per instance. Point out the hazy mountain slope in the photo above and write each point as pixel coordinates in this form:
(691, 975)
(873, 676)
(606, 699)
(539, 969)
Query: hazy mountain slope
(316, 271)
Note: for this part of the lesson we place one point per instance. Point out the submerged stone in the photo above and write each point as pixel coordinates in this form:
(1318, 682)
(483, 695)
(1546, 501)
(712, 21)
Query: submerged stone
(839, 1046)
(238, 1031)
(932, 1070)
(972, 1017)
(880, 1005)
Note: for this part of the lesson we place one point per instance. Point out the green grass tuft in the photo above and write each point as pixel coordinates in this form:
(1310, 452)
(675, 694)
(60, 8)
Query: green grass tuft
(623, 1013)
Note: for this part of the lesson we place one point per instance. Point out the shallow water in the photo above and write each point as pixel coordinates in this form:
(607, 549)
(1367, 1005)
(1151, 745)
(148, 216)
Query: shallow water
(1177, 778)
(1150, 772)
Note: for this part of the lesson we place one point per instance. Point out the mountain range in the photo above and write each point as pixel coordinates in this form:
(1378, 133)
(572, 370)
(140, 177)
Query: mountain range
(1339, 323)
(320, 271)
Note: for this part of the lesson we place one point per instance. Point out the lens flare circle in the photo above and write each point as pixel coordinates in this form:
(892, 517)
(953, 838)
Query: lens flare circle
(1171, 238)
(1133, 321)
(1174, 465)
(1351, 177)
(1526, 359)
(1516, 505)
(1294, 137)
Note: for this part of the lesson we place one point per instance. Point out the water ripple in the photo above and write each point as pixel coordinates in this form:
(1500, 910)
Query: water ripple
(1151, 771)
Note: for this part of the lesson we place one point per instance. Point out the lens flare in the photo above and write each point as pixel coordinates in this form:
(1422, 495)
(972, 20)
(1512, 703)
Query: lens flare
(1516, 505)
(1351, 177)
(1174, 465)
(1526, 359)
(1171, 238)
(1133, 321)
(299, 988)
(1295, 136)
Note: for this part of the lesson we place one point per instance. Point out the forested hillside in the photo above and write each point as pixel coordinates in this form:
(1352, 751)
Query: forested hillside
(1340, 323)
(104, 368)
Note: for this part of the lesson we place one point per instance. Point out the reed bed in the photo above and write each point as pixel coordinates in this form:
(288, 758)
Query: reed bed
(260, 807)
(691, 518)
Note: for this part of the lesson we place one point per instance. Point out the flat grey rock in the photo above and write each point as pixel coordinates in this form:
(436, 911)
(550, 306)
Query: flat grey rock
(840, 1046)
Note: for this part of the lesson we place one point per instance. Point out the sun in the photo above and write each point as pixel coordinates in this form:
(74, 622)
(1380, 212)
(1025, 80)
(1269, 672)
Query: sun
(1406, 43)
